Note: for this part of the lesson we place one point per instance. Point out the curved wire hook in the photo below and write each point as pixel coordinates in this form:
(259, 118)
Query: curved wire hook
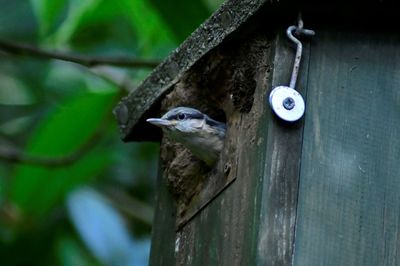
(299, 31)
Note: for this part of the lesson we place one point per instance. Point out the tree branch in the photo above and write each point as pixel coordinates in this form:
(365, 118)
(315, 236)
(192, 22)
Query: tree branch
(122, 81)
(88, 61)
(15, 155)
(130, 205)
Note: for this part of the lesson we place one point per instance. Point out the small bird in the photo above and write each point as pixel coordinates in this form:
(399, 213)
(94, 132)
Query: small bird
(202, 135)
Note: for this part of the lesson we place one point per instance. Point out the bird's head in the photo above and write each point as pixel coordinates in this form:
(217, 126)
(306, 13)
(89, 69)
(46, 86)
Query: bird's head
(203, 135)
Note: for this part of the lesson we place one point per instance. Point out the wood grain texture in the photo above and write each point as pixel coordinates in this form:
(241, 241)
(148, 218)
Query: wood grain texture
(282, 167)
(252, 221)
(349, 200)
(225, 232)
(323, 194)
(163, 233)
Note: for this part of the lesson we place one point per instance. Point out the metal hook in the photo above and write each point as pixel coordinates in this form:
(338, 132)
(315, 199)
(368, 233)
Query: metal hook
(285, 101)
(299, 31)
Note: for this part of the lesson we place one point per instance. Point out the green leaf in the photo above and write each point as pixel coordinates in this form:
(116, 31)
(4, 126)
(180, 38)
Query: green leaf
(152, 36)
(36, 189)
(47, 12)
(17, 21)
(182, 16)
(13, 91)
(70, 252)
(15, 125)
(80, 14)
(151, 30)
(213, 4)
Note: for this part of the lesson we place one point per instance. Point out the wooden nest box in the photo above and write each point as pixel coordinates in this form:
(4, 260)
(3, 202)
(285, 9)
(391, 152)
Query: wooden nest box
(324, 190)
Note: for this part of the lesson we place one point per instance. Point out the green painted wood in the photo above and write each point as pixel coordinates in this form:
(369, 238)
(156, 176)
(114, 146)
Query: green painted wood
(281, 166)
(349, 200)
(163, 232)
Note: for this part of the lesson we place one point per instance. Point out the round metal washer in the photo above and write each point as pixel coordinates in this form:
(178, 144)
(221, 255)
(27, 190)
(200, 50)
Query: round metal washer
(278, 96)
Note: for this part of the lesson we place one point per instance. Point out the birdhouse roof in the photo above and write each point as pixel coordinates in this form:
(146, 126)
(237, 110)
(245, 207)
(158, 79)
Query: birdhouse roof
(132, 110)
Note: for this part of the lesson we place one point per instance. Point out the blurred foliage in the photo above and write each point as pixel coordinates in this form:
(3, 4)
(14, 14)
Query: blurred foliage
(96, 207)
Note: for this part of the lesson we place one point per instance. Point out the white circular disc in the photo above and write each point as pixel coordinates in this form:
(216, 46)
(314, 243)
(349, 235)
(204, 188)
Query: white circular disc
(276, 98)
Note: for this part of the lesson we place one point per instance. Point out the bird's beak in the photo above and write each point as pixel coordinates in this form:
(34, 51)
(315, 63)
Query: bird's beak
(159, 122)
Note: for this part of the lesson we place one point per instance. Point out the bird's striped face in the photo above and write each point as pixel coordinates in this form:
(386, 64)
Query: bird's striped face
(180, 120)
(201, 134)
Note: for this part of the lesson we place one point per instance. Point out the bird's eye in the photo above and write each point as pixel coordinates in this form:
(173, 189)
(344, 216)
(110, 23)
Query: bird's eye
(181, 116)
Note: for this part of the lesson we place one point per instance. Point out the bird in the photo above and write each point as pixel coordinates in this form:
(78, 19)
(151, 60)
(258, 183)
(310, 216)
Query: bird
(202, 135)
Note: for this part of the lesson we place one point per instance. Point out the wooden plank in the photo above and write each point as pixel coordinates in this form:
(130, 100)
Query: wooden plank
(163, 233)
(214, 184)
(282, 167)
(349, 201)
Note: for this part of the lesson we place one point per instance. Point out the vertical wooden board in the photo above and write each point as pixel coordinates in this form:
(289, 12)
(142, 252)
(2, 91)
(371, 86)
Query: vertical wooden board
(282, 165)
(349, 195)
(163, 232)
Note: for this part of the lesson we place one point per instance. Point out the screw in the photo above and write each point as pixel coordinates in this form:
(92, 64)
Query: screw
(288, 103)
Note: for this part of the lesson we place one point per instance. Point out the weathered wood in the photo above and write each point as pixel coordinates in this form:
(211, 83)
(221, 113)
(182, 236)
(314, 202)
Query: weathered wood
(224, 79)
(325, 197)
(282, 167)
(225, 233)
(349, 200)
(252, 221)
(214, 184)
(163, 233)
